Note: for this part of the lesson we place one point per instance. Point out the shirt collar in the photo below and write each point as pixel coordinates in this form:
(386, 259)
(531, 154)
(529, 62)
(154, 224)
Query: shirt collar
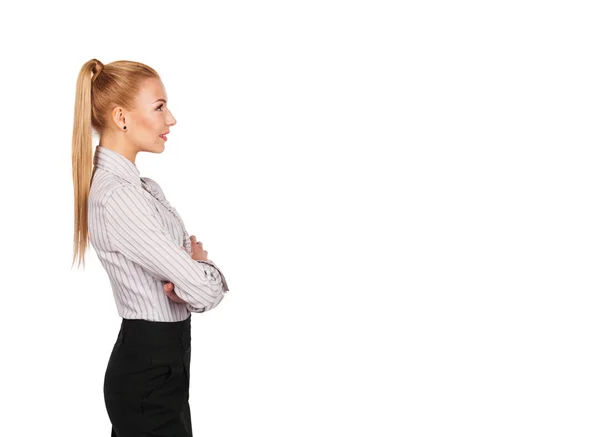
(117, 164)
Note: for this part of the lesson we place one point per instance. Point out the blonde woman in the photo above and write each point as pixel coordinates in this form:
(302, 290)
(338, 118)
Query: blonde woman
(159, 274)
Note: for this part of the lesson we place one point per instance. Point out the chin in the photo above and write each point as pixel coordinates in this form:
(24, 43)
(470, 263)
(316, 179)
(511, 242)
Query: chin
(155, 149)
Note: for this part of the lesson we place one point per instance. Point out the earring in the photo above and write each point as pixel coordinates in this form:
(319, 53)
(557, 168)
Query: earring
(124, 127)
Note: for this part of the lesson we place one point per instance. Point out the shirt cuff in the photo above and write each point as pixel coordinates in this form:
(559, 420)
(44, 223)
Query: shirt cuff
(225, 286)
(194, 309)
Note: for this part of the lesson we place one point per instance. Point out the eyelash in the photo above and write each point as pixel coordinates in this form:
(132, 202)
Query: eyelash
(161, 105)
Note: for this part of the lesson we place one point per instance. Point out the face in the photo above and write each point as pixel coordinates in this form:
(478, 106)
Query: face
(150, 118)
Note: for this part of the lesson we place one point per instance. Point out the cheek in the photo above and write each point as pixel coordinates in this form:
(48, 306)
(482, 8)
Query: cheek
(145, 124)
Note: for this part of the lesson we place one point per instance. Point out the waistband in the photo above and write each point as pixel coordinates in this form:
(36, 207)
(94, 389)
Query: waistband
(139, 332)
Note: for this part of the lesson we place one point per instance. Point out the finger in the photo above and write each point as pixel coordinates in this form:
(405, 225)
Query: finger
(171, 295)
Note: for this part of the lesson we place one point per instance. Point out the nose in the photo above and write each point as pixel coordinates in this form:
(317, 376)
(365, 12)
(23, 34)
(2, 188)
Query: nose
(173, 122)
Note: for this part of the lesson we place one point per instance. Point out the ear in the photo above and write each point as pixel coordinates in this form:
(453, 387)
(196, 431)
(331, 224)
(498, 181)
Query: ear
(119, 117)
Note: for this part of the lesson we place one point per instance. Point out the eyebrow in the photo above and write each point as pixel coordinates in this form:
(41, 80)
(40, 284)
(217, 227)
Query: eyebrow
(161, 100)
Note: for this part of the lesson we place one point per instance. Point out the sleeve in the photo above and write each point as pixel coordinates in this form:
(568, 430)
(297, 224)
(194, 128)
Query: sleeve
(134, 231)
(161, 195)
(225, 289)
(225, 286)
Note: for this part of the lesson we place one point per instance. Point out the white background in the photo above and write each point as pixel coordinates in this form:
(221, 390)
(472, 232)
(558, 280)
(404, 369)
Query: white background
(403, 197)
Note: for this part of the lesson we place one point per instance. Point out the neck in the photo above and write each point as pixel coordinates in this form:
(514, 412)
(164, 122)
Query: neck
(117, 143)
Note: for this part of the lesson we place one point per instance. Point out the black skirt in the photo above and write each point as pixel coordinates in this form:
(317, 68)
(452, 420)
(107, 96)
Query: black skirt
(146, 385)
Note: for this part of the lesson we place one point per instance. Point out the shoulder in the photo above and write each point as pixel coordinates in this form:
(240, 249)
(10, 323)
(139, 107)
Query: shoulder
(105, 186)
(124, 194)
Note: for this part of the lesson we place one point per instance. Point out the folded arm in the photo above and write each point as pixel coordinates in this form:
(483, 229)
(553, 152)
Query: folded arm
(135, 232)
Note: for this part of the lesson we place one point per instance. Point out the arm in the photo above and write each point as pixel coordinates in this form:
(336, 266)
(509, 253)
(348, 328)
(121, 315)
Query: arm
(225, 290)
(135, 232)
(158, 192)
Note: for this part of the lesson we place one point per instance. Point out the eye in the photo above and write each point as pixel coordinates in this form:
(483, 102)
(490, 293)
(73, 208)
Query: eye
(161, 105)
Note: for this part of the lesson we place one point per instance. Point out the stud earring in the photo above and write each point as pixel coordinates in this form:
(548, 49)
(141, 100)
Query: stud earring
(124, 127)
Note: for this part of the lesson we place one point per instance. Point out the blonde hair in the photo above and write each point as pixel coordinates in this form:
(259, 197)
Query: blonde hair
(99, 89)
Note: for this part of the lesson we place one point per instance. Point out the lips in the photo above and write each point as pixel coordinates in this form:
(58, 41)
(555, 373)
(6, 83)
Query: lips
(164, 136)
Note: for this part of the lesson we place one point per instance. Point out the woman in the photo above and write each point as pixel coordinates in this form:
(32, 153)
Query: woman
(158, 273)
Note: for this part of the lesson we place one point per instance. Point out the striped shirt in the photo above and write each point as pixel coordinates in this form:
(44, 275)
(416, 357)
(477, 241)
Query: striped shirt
(137, 236)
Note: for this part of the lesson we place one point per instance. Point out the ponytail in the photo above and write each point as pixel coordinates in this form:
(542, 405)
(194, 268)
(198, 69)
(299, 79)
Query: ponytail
(82, 155)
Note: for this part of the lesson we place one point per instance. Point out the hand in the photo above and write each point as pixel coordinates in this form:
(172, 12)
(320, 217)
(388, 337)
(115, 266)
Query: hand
(198, 252)
(169, 288)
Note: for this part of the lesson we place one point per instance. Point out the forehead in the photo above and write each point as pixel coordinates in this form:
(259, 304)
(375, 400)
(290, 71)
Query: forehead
(150, 91)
